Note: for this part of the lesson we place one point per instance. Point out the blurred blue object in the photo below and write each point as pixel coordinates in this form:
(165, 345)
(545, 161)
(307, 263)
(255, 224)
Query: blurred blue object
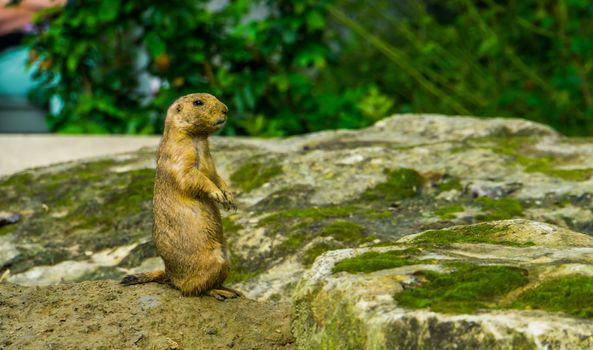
(17, 114)
(15, 81)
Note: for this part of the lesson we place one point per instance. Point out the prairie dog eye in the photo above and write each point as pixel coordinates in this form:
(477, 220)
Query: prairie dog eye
(198, 103)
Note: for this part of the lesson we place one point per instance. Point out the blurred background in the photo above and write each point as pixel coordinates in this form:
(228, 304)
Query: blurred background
(290, 67)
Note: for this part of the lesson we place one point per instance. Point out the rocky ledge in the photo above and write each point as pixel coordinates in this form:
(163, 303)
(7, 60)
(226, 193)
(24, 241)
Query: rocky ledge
(432, 193)
(513, 284)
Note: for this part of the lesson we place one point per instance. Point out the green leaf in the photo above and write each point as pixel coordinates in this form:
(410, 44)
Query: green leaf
(314, 20)
(108, 10)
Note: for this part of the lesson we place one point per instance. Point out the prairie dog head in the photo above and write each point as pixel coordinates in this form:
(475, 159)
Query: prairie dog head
(197, 114)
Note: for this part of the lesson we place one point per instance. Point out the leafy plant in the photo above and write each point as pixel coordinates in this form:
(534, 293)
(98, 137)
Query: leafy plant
(288, 67)
(261, 57)
(527, 59)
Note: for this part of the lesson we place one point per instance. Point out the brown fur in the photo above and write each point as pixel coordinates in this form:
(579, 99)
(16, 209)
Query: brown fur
(187, 223)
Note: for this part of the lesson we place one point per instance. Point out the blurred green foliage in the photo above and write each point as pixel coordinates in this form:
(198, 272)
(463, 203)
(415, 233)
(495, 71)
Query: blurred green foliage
(531, 59)
(288, 67)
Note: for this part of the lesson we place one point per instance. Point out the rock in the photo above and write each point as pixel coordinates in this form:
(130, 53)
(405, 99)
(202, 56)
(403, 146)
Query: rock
(300, 197)
(105, 315)
(498, 285)
(7, 218)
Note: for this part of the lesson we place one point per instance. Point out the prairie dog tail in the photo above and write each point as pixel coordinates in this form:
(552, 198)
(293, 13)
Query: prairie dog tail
(145, 277)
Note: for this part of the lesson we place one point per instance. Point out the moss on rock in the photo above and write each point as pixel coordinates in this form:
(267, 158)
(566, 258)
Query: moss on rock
(465, 290)
(344, 233)
(76, 208)
(229, 226)
(499, 209)
(401, 184)
(545, 164)
(450, 184)
(343, 230)
(375, 261)
(448, 212)
(254, 174)
(478, 233)
(308, 213)
(570, 294)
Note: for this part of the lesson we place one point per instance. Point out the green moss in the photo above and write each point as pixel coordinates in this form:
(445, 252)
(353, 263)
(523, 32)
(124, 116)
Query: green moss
(448, 212)
(295, 240)
(571, 294)
(401, 184)
(545, 165)
(343, 230)
(338, 316)
(374, 261)
(311, 213)
(230, 227)
(253, 175)
(20, 182)
(499, 209)
(240, 275)
(130, 198)
(383, 214)
(134, 196)
(313, 253)
(469, 288)
(5, 230)
(479, 233)
(450, 184)
(345, 233)
(504, 145)
(241, 269)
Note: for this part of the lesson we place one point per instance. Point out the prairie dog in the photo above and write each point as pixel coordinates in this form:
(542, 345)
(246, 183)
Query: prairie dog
(187, 224)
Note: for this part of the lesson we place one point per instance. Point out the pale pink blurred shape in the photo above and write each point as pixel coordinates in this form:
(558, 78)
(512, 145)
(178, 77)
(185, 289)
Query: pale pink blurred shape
(14, 18)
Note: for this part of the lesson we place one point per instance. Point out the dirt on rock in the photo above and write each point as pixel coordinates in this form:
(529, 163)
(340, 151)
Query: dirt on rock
(106, 315)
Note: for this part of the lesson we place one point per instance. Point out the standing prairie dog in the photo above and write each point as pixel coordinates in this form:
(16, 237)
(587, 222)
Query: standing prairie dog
(187, 223)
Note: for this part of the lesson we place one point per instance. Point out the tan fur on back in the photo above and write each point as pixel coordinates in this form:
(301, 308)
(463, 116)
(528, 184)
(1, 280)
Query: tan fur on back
(187, 222)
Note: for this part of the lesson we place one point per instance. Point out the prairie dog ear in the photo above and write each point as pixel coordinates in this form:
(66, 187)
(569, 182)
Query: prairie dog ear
(179, 107)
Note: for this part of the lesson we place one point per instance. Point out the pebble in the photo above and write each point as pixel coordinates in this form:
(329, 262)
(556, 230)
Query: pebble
(8, 218)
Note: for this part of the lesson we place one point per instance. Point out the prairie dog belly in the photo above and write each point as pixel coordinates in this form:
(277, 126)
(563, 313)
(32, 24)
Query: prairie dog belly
(188, 226)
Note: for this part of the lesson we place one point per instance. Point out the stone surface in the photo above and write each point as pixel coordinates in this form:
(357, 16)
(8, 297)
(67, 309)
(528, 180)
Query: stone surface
(312, 193)
(105, 315)
(348, 309)
(303, 196)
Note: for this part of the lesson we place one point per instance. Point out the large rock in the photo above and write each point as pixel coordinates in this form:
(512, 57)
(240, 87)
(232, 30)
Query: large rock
(104, 315)
(373, 190)
(301, 196)
(512, 284)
